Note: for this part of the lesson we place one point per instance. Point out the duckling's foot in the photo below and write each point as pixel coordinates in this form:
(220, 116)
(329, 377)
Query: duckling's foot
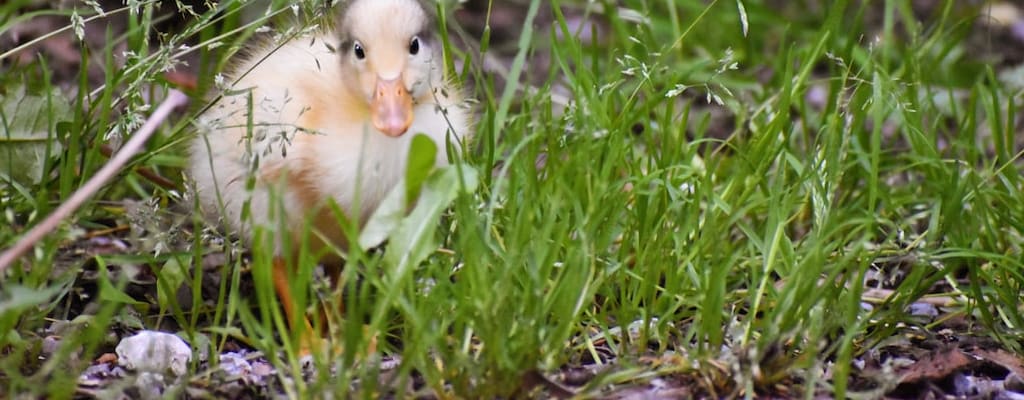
(311, 341)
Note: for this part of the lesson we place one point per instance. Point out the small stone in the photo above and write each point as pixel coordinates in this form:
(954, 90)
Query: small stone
(1014, 383)
(50, 345)
(150, 385)
(577, 376)
(151, 351)
(95, 375)
(964, 385)
(262, 369)
(923, 310)
(1017, 30)
(1008, 396)
(234, 364)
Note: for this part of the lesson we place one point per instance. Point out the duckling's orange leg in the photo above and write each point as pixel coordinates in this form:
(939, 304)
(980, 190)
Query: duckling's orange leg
(334, 272)
(308, 340)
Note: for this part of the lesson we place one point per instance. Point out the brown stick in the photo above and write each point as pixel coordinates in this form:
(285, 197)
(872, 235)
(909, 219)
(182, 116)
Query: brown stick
(151, 176)
(174, 100)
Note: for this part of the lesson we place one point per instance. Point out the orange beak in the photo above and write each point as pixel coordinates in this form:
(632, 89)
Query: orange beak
(391, 110)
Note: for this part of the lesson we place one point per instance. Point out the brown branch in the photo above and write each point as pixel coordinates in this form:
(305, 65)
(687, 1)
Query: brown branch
(174, 100)
(147, 173)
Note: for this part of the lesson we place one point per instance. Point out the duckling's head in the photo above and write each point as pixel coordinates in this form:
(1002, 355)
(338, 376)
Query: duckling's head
(390, 58)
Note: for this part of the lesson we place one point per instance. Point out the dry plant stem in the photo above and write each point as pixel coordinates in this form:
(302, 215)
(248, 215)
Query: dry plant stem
(67, 27)
(174, 100)
(879, 296)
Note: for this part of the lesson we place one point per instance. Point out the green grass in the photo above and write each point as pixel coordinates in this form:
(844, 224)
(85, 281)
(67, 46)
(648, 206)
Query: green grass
(737, 234)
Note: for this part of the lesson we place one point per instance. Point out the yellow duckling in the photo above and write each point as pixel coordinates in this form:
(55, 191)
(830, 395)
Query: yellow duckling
(326, 116)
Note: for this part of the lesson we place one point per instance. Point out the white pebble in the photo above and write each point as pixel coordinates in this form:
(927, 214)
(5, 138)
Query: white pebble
(152, 351)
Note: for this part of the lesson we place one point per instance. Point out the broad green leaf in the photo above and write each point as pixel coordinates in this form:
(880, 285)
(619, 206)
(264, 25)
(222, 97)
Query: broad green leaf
(387, 216)
(27, 126)
(109, 292)
(414, 240)
(422, 158)
(384, 219)
(17, 298)
(169, 280)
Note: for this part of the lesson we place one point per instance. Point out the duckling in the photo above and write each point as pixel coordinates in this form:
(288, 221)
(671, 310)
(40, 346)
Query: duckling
(325, 117)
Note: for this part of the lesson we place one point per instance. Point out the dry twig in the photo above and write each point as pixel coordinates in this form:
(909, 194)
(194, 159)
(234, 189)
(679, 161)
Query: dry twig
(174, 100)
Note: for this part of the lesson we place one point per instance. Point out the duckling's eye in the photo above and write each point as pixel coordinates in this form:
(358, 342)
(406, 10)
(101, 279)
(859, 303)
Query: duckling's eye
(414, 45)
(357, 49)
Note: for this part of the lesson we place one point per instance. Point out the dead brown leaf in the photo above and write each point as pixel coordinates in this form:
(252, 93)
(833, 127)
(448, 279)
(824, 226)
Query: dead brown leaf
(938, 364)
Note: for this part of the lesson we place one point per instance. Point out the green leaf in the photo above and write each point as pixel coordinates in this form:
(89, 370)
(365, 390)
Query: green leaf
(17, 298)
(169, 280)
(27, 126)
(422, 158)
(389, 213)
(414, 240)
(109, 292)
(384, 219)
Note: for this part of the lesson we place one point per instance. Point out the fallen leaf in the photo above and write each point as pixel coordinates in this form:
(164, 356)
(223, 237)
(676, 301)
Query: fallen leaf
(935, 365)
(107, 358)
